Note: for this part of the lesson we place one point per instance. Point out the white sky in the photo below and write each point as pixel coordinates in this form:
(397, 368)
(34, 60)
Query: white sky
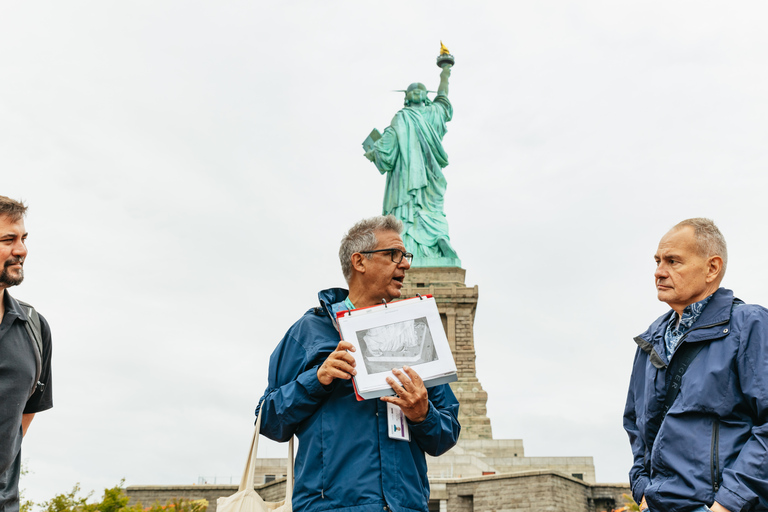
(191, 167)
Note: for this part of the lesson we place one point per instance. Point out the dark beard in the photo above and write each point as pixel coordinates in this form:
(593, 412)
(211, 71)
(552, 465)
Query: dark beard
(6, 279)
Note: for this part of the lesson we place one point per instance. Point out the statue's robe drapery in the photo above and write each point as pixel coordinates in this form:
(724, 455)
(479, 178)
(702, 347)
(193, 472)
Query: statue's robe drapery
(410, 152)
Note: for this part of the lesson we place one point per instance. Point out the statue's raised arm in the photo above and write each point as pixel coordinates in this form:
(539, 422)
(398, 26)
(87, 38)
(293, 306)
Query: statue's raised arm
(445, 61)
(445, 74)
(410, 152)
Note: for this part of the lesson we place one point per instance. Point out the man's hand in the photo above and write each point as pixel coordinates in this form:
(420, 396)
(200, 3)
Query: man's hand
(371, 155)
(411, 394)
(716, 507)
(339, 365)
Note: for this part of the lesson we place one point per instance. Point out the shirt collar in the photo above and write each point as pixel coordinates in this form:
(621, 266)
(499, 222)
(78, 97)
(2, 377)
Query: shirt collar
(691, 313)
(675, 331)
(341, 306)
(12, 307)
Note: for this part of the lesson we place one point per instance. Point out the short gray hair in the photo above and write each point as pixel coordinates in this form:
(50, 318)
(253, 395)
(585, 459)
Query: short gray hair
(709, 240)
(362, 237)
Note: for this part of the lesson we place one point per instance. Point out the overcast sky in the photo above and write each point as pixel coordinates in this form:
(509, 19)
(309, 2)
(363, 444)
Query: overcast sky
(190, 168)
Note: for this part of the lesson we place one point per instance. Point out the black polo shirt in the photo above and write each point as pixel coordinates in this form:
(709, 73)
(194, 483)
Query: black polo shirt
(18, 368)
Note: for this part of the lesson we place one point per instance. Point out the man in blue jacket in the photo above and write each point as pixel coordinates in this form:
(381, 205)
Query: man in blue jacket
(710, 450)
(346, 460)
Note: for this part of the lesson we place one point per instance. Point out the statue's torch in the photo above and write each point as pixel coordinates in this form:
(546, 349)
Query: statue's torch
(445, 57)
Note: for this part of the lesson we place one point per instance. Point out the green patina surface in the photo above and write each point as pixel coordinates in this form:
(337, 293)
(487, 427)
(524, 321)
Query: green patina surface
(410, 153)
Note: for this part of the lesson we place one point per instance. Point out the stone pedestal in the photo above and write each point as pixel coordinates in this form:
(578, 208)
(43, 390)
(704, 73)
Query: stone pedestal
(477, 454)
(457, 304)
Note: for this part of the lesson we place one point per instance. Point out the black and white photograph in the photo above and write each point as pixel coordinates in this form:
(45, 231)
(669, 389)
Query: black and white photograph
(402, 333)
(396, 345)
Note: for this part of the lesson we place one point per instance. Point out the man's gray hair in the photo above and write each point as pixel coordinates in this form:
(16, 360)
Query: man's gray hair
(362, 237)
(709, 239)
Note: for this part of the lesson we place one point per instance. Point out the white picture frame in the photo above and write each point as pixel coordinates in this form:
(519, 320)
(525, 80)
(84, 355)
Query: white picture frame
(404, 333)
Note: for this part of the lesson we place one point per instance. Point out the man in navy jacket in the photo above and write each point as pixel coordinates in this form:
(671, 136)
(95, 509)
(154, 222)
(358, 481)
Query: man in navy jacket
(346, 460)
(711, 448)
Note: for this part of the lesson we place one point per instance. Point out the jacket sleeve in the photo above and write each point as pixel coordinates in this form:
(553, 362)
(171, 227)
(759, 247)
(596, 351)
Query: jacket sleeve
(440, 430)
(638, 475)
(746, 480)
(293, 392)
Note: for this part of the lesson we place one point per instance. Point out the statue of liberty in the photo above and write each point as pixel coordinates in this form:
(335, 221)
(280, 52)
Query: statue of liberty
(410, 152)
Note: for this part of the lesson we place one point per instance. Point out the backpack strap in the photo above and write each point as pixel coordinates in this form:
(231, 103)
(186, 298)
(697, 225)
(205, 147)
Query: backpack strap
(35, 335)
(684, 356)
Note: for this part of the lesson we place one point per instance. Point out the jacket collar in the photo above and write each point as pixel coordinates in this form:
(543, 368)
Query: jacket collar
(717, 313)
(707, 327)
(332, 296)
(329, 297)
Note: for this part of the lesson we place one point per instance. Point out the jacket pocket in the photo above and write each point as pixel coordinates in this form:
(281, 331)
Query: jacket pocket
(714, 460)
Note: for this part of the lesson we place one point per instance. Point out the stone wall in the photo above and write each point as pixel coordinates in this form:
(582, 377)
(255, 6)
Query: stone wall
(457, 304)
(531, 491)
(526, 492)
(535, 491)
(148, 494)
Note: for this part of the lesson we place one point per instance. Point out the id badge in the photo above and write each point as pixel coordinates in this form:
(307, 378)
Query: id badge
(397, 425)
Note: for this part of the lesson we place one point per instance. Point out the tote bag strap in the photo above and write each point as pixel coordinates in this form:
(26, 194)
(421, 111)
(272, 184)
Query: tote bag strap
(250, 465)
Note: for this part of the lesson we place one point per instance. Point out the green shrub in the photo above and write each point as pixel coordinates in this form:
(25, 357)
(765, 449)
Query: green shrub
(114, 500)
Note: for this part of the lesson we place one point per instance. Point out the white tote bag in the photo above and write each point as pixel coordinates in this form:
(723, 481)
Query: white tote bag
(248, 500)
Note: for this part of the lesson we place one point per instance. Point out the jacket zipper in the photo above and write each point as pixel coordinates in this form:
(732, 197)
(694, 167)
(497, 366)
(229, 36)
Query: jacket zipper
(716, 426)
(680, 343)
(653, 352)
(715, 456)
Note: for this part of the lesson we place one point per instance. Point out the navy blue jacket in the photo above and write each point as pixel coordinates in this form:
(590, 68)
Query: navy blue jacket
(346, 461)
(713, 443)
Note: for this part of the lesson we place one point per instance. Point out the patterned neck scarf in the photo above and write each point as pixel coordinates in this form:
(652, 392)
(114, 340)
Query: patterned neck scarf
(675, 330)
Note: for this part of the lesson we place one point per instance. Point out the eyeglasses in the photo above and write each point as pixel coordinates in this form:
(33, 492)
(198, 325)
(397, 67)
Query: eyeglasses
(397, 255)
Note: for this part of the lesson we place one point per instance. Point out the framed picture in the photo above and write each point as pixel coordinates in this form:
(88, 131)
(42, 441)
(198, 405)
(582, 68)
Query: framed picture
(404, 333)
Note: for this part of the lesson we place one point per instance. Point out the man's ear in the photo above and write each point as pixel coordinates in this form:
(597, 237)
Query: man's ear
(715, 269)
(358, 262)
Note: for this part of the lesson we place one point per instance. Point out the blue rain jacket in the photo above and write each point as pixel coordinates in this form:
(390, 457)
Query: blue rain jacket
(345, 460)
(713, 443)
